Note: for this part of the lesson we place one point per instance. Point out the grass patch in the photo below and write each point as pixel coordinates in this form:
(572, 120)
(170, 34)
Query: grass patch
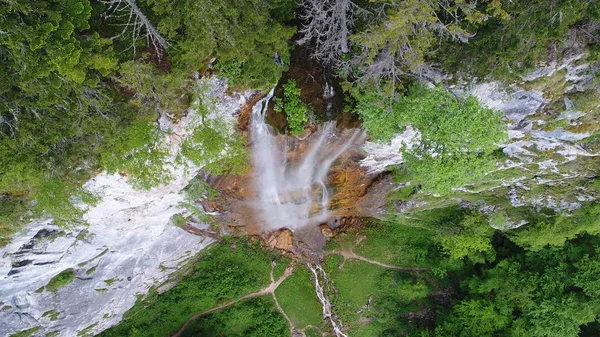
(397, 244)
(371, 298)
(255, 317)
(94, 258)
(297, 297)
(355, 283)
(223, 272)
(280, 267)
(86, 331)
(312, 332)
(62, 279)
(26, 333)
(52, 314)
(110, 281)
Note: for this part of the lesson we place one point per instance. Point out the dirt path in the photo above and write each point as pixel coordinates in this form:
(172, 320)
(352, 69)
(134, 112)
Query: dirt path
(270, 289)
(279, 308)
(347, 254)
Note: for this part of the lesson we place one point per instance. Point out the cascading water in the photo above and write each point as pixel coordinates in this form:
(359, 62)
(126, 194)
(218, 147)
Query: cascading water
(292, 193)
(323, 286)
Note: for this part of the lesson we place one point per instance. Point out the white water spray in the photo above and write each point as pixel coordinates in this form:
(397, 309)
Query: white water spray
(323, 286)
(292, 194)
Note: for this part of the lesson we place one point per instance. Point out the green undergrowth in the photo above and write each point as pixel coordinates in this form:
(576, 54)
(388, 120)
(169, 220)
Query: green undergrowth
(484, 281)
(223, 272)
(297, 297)
(256, 317)
(370, 298)
(295, 110)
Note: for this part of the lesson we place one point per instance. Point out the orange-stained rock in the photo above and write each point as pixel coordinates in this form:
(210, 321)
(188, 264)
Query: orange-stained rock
(282, 239)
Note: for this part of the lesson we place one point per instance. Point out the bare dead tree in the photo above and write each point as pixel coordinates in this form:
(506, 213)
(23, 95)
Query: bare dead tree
(400, 40)
(327, 25)
(136, 24)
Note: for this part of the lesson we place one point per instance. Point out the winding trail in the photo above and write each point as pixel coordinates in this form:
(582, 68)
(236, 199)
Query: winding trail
(270, 289)
(347, 254)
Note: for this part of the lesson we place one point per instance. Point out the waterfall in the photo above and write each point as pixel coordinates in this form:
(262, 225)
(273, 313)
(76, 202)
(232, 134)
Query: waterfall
(323, 286)
(292, 193)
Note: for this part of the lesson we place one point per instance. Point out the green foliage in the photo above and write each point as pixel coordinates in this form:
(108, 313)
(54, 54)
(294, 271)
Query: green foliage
(556, 230)
(224, 272)
(298, 299)
(12, 209)
(178, 220)
(295, 110)
(52, 197)
(480, 318)
(52, 315)
(216, 149)
(400, 38)
(60, 280)
(550, 292)
(377, 114)
(373, 297)
(138, 153)
(214, 144)
(198, 188)
(53, 104)
(253, 318)
(403, 193)
(243, 36)
(153, 92)
(457, 135)
(457, 138)
(470, 238)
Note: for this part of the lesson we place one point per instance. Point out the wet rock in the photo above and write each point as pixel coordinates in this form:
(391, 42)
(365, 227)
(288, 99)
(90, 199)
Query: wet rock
(283, 239)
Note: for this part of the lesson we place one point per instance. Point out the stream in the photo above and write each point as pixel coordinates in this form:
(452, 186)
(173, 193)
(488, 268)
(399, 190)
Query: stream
(323, 287)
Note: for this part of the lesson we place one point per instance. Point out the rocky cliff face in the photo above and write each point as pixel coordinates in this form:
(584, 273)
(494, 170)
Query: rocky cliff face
(129, 246)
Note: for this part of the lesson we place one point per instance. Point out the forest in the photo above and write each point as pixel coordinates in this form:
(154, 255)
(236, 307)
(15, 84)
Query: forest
(95, 85)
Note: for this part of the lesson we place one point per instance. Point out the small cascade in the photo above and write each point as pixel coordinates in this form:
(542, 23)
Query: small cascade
(328, 93)
(292, 193)
(323, 286)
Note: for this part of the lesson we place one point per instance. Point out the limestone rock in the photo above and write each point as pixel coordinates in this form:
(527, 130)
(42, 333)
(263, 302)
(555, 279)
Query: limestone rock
(327, 232)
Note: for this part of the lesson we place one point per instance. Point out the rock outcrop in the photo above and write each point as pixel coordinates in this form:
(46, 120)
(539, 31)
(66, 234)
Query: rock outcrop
(128, 246)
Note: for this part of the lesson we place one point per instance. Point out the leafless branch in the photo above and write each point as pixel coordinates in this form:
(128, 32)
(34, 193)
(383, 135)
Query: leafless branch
(137, 24)
(327, 26)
